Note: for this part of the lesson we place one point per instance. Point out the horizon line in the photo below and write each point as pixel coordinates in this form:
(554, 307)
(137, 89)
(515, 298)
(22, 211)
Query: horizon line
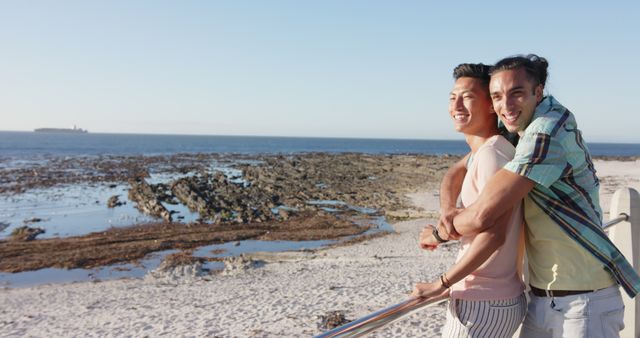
(294, 136)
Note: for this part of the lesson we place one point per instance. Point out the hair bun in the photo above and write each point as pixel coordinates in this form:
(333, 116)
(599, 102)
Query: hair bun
(541, 65)
(535, 66)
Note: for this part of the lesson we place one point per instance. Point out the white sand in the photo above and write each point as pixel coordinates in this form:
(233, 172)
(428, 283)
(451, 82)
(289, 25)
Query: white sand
(283, 298)
(614, 175)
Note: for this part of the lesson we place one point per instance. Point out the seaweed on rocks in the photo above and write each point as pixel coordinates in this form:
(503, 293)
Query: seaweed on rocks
(264, 197)
(26, 233)
(114, 201)
(146, 200)
(191, 192)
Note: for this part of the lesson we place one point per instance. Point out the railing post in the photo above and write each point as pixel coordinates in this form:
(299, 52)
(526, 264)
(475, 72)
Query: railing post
(626, 236)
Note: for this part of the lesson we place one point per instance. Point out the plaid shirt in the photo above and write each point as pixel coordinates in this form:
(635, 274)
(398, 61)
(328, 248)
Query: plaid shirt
(552, 153)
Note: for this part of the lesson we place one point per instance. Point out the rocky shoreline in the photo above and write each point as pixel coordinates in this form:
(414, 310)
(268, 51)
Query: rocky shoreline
(268, 197)
(265, 294)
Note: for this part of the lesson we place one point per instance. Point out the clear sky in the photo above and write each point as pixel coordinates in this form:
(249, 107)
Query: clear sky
(374, 69)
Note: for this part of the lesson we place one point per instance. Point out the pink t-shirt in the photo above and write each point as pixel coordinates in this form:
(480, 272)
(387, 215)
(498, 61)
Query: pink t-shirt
(497, 278)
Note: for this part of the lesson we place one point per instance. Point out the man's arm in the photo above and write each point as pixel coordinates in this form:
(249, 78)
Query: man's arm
(449, 191)
(503, 191)
(480, 249)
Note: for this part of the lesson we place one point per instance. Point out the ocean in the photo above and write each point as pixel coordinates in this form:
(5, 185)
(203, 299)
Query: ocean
(28, 145)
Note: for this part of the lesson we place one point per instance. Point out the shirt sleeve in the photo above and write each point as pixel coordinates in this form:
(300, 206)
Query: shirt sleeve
(540, 158)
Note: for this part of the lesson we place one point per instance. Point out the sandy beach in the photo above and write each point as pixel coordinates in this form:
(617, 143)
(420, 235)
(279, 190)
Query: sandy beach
(278, 295)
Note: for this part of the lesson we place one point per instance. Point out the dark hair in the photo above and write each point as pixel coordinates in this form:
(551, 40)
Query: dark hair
(535, 66)
(473, 70)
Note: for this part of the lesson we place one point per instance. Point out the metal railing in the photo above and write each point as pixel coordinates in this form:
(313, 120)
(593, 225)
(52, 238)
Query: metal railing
(621, 218)
(380, 318)
(387, 315)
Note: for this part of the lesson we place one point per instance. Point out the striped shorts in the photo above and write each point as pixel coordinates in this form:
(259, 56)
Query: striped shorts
(484, 318)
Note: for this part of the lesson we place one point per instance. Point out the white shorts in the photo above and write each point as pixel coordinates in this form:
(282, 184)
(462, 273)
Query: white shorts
(484, 318)
(597, 314)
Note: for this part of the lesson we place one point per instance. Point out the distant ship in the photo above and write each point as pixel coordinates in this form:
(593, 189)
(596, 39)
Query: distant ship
(74, 130)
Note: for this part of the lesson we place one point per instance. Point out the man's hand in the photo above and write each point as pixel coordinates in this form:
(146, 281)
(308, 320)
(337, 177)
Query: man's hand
(445, 223)
(427, 240)
(429, 290)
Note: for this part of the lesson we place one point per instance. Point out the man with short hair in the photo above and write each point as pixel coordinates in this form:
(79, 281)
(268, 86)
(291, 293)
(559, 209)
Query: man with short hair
(574, 268)
(484, 282)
